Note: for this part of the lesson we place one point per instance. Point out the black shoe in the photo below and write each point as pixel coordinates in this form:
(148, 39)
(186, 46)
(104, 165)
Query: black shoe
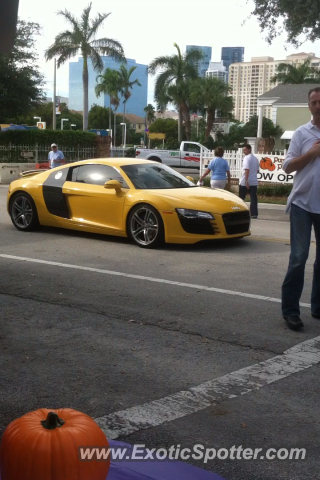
(254, 216)
(294, 322)
(315, 316)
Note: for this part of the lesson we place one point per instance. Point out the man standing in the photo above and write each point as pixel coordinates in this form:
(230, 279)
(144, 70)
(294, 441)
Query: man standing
(55, 157)
(249, 180)
(304, 207)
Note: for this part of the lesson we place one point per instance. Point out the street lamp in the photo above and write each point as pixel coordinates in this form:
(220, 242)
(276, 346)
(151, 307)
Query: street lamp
(39, 118)
(125, 134)
(63, 120)
(72, 125)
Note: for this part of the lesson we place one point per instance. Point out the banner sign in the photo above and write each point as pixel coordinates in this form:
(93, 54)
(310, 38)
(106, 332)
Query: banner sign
(271, 169)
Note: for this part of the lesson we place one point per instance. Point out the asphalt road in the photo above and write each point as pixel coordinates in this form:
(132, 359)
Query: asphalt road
(101, 342)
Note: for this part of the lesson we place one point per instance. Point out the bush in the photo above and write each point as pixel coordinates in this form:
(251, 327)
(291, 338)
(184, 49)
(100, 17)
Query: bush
(275, 190)
(46, 137)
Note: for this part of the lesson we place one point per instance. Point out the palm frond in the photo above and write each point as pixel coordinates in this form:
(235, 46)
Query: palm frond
(159, 62)
(96, 60)
(70, 18)
(85, 19)
(96, 24)
(110, 48)
(64, 51)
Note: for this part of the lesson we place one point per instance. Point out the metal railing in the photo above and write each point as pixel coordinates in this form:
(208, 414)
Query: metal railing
(39, 153)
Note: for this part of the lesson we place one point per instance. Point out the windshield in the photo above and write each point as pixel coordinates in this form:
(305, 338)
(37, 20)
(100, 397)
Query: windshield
(154, 176)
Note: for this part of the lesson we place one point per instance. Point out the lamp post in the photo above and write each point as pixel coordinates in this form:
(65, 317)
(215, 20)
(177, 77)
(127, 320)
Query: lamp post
(72, 125)
(37, 118)
(125, 133)
(63, 120)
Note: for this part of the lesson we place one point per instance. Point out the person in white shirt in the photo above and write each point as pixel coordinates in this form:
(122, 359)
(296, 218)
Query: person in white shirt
(55, 157)
(304, 207)
(249, 180)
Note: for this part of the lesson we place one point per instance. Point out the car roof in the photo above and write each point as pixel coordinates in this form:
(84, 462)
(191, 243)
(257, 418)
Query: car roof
(115, 162)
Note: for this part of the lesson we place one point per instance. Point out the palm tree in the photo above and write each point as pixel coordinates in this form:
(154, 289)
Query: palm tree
(290, 74)
(211, 94)
(173, 82)
(82, 38)
(126, 85)
(150, 113)
(108, 83)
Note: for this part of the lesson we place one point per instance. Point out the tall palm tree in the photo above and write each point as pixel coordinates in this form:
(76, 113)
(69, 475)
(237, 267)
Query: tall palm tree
(290, 74)
(108, 83)
(82, 38)
(173, 82)
(150, 113)
(211, 94)
(126, 84)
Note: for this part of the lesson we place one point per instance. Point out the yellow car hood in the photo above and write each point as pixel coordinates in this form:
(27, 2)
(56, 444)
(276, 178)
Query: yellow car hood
(200, 198)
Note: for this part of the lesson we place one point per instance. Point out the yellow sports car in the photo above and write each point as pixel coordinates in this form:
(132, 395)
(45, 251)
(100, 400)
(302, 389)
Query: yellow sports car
(144, 200)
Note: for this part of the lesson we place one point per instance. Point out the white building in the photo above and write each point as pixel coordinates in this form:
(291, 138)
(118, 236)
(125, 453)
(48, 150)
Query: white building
(249, 80)
(217, 70)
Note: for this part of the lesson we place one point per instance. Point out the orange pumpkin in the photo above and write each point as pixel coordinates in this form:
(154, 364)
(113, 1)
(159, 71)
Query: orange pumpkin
(272, 167)
(43, 445)
(265, 163)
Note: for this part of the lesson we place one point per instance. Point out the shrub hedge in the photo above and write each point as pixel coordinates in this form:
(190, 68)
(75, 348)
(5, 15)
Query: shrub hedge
(66, 138)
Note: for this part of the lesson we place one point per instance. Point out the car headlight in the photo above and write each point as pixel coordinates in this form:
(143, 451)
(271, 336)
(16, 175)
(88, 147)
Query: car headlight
(194, 214)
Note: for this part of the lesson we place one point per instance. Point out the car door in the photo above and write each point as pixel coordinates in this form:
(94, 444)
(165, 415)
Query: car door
(89, 203)
(190, 156)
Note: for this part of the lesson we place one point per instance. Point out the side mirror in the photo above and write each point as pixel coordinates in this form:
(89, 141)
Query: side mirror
(113, 185)
(190, 178)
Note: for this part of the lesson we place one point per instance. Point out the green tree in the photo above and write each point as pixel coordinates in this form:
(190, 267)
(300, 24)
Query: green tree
(108, 83)
(169, 126)
(150, 113)
(82, 37)
(173, 83)
(21, 83)
(268, 128)
(211, 94)
(99, 118)
(44, 111)
(303, 73)
(126, 84)
(296, 17)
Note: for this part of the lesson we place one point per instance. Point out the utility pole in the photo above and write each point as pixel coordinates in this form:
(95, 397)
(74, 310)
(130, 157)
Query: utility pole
(54, 118)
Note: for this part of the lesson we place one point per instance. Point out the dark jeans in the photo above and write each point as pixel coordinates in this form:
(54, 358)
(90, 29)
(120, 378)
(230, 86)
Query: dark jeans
(301, 223)
(253, 198)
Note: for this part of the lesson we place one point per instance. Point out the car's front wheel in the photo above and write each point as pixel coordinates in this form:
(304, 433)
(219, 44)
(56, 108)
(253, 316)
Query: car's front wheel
(23, 212)
(145, 226)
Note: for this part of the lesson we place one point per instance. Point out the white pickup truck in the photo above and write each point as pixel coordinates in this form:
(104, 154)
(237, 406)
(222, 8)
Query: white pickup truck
(187, 156)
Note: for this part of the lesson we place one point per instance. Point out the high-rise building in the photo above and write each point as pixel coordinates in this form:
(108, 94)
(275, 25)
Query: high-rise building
(231, 55)
(136, 102)
(203, 64)
(217, 70)
(249, 80)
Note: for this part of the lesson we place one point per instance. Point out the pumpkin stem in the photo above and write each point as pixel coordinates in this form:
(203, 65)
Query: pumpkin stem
(52, 421)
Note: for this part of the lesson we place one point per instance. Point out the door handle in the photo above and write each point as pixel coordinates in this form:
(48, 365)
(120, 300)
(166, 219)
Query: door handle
(187, 154)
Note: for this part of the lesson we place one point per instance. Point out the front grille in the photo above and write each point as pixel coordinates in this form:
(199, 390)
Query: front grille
(236, 222)
(198, 226)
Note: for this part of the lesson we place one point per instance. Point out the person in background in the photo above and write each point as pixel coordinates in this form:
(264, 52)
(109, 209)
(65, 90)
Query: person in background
(249, 180)
(55, 157)
(220, 171)
(304, 206)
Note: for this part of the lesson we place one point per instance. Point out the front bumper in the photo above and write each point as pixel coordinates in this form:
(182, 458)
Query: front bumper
(224, 226)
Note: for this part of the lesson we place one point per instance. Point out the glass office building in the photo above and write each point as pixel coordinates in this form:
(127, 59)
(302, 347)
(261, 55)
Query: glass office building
(231, 55)
(136, 103)
(203, 64)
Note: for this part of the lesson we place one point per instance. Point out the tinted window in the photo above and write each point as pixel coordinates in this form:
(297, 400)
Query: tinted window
(96, 175)
(151, 176)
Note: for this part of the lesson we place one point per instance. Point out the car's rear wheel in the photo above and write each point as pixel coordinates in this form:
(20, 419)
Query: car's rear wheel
(23, 212)
(145, 226)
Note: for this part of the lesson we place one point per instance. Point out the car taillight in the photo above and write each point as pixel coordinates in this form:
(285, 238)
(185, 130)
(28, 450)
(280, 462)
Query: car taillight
(137, 153)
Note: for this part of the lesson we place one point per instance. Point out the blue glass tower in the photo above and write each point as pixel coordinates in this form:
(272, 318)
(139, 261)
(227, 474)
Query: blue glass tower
(203, 64)
(136, 102)
(231, 55)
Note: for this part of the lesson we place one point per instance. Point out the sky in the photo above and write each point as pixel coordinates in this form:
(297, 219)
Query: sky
(147, 29)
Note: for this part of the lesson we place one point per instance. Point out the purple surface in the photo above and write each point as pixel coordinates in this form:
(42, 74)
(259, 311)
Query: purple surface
(165, 470)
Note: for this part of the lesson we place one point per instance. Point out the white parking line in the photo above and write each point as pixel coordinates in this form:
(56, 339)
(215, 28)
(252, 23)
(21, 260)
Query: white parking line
(233, 385)
(149, 279)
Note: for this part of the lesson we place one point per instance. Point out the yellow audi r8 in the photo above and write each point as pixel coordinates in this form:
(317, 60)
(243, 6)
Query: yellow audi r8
(144, 200)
